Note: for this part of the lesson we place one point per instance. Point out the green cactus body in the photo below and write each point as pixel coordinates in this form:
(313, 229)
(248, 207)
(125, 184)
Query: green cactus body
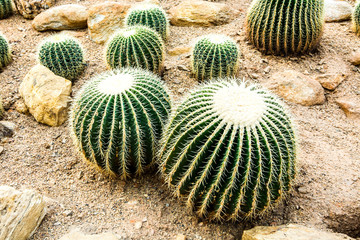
(214, 56)
(150, 15)
(284, 27)
(6, 8)
(5, 53)
(356, 19)
(137, 46)
(63, 55)
(230, 150)
(117, 119)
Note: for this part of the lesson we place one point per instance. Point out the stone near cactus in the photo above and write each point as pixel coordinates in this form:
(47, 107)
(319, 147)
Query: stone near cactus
(230, 150)
(63, 55)
(337, 11)
(150, 15)
(46, 95)
(31, 8)
(69, 16)
(105, 19)
(214, 56)
(117, 119)
(281, 27)
(6, 8)
(350, 106)
(5, 53)
(137, 46)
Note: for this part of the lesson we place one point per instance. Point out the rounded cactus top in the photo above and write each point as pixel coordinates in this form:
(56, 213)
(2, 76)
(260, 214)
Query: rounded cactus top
(150, 15)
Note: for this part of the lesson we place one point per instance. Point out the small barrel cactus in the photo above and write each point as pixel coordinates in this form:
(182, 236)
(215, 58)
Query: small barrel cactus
(356, 19)
(5, 53)
(63, 55)
(117, 120)
(214, 56)
(6, 8)
(150, 15)
(230, 150)
(284, 27)
(137, 46)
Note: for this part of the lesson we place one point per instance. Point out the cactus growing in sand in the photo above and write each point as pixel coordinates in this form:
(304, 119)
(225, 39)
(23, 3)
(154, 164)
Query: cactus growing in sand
(230, 150)
(5, 53)
(214, 56)
(6, 8)
(63, 55)
(117, 119)
(284, 27)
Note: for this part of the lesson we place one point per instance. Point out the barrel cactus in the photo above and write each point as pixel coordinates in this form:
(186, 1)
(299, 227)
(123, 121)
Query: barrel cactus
(150, 15)
(136, 46)
(5, 53)
(356, 19)
(117, 120)
(63, 55)
(230, 149)
(285, 27)
(6, 8)
(214, 56)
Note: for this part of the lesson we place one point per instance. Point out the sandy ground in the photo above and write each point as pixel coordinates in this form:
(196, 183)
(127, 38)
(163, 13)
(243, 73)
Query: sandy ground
(43, 158)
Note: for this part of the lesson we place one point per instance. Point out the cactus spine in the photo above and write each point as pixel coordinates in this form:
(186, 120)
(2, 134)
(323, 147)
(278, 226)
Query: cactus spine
(137, 46)
(5, 53)
(230, 150)
(63, 55)
(150, 15)
(284, 27)
(356, 19)
(6, 8)
(117, 119)
(214, 56)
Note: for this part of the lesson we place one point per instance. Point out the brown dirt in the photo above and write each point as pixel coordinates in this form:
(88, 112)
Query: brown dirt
(43, 157)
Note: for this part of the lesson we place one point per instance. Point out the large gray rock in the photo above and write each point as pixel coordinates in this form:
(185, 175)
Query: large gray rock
(31, 8)
(69, 16)
(297, 88)
(336, 11)
(78, 235)
(46, 95)
(21, 212)
(291, 232)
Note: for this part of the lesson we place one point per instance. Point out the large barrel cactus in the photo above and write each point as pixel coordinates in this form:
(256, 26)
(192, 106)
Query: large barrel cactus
(150, 15)
(137, 46)
(6, 8)
(284, 27)
(356, 19)
(214, 56)
(5, 53)
(117, 119)
(63, 55)
(230, 150)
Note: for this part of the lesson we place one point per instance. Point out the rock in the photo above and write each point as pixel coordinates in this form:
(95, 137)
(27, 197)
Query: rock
(30, 8)
(183, 68)
(20, 106)
(78, 235)
(336, 11)
(138, 225)
(355, 58)
(330, 82)
(180, 237)
(21, 213)
(104, 19)
(291, 231)
(296, 87)
(345, 218)
(69, 16)
(46, 95)
(200, 13)
(7, 129)
(351, 107)
(179, 50)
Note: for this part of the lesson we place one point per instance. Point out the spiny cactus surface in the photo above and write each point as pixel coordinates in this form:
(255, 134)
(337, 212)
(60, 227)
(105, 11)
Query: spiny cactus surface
(5, 53)
(117, 119)
(6, 8)
(230, 150)
(150, 15)
(284, 27)
(356, 19)
(63, 55)
(214, 56)
(137, 46)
